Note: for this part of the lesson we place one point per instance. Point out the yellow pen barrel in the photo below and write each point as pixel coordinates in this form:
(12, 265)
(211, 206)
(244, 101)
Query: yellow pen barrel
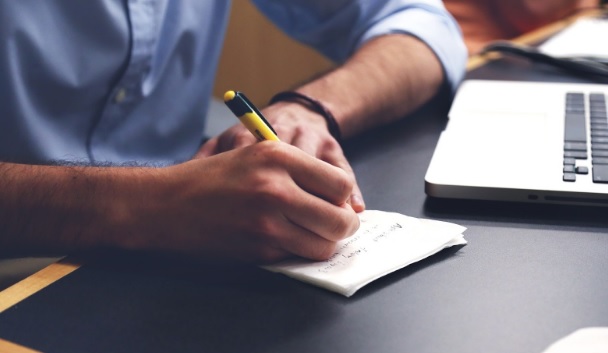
(257, 127)
(249, 116)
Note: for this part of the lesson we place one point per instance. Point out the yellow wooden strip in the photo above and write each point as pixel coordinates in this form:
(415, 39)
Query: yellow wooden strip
(476, 61)
(39, 280)
(9, 347)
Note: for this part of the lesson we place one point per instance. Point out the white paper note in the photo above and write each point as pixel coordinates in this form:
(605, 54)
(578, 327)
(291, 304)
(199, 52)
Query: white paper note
(385, 242)
(585, 37)
(585, 340)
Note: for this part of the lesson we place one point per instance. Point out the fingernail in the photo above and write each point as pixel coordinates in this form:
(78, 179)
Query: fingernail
(356, 202)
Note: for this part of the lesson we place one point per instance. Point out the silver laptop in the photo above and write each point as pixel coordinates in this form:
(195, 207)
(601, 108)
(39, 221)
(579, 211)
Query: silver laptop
(524, 141)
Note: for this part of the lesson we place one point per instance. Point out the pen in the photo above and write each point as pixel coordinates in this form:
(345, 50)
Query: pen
(250, 116)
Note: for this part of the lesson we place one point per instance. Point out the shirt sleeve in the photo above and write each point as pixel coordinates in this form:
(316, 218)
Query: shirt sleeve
(336, 28)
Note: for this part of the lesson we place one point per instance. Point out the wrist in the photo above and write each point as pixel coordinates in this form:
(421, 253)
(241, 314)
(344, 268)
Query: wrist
(313, 105)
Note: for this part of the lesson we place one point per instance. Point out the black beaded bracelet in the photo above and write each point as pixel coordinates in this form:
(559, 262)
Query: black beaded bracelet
(315, 106)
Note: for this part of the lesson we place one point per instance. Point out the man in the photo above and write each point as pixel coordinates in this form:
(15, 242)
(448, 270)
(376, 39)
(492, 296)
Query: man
(102, 118)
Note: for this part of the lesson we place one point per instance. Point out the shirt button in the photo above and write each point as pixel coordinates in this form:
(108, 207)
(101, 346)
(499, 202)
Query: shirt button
(120, 96)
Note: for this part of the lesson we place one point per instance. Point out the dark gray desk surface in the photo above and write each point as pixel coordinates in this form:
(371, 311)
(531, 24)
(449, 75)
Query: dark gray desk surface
(529, 275)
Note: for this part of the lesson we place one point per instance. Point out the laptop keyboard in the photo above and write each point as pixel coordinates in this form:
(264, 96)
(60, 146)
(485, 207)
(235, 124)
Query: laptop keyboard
(575, 136)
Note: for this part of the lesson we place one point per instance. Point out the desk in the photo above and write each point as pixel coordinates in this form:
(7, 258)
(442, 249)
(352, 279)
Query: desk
(529, 275)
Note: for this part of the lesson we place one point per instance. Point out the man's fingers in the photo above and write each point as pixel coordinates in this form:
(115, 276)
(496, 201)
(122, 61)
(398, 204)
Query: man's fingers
(301, 241)
(240, 139)
(208, 149)
(335, 156)
(356, 200)
(322, 179)
(309, 143)
(328, 221)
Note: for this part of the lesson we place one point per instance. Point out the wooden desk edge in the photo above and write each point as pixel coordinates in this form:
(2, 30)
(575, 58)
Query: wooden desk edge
(34, 283)
(9, 347)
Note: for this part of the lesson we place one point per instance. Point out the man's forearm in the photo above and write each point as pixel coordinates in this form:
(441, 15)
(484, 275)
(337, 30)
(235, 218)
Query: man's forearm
(384, 80)
(59, 209)
(297, 206)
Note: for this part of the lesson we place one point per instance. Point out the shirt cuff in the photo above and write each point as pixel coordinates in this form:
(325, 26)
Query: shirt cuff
(436, 29)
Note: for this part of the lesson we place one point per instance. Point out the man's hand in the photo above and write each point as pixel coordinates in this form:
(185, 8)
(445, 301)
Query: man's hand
(401, 73)
(297, 126)
(259, 203)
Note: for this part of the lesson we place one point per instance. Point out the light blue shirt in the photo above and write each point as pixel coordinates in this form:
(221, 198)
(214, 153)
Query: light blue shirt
(115, 81)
